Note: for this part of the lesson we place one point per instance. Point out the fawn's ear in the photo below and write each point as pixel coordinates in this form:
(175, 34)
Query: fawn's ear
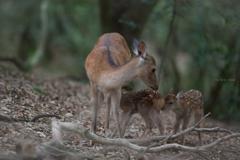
(171, 91)
(180, 95)
(127, 88)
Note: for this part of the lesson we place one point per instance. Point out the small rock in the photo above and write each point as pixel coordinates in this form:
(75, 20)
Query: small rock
(69, 115)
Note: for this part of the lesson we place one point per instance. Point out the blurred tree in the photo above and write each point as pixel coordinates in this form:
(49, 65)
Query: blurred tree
(203, 49)
(127, 17)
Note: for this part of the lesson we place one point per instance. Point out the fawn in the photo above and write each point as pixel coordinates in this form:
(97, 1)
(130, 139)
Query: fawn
(148, 103)
(185, 105)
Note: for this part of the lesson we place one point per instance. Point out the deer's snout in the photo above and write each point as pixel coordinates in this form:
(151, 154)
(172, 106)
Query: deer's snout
(154, 87)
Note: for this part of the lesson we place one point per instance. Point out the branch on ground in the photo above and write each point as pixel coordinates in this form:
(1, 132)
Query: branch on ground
(17, 62)
(11, 119)
(125, 143)
(56, 149)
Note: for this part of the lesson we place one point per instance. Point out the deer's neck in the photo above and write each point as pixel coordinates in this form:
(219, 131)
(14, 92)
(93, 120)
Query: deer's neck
(123, 74)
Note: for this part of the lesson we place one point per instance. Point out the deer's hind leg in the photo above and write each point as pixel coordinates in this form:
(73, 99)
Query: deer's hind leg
(95, 93)
(106, 127)
(145, 113)
(115, 101)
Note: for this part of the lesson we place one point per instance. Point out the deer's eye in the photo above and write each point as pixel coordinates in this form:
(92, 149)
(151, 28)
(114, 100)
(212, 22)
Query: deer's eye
(170, 102)
(153, 70)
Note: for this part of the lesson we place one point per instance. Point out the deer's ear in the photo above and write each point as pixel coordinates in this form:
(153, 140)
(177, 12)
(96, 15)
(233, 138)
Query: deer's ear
(170, 91)
(180, 98)
(135, 44)
(142, 50)
(139, 48)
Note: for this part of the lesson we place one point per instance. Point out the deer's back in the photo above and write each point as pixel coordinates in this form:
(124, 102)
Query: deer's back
(111, 50)
(143, 98)
(193, 99)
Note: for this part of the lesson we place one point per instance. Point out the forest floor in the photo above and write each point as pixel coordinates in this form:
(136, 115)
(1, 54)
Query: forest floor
(27, 95)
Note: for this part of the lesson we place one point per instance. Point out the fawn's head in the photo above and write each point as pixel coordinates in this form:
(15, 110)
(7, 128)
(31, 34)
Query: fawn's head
(171, 101)
(147, 67)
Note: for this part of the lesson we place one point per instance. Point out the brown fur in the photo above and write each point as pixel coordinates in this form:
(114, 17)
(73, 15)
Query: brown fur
(109, 67)
(185, 105)
(146, 102)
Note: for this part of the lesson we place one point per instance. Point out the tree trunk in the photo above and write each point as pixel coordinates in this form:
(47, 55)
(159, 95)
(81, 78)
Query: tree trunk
(127, 17)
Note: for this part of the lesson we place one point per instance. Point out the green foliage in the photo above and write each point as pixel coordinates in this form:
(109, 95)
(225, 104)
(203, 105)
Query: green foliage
(39, 91)
(73, 29)
(206, 36)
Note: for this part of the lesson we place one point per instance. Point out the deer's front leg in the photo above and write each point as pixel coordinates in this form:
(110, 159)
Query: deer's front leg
(95, 108)
(176, 125)
(115, 100)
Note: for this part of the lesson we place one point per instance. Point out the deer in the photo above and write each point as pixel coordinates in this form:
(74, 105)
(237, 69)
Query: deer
(109, 66)
(185, 106)
(148, 103)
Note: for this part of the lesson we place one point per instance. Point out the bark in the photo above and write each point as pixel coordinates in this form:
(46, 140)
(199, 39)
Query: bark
(43, 35)
(127, 17)
(215, 92)
(166, 43)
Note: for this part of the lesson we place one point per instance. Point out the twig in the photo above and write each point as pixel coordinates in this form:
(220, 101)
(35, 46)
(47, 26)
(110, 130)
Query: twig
(123, 142)
(216, 129)
(17, 62)
(203, 155)
(11, 119)
(179, 155)
(43, 115)
(155, 144)
(226, 150)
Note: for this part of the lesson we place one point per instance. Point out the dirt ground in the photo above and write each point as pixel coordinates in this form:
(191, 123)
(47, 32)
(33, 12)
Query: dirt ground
(25, 96)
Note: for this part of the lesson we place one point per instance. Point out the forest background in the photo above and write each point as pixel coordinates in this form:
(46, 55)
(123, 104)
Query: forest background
(195, 42)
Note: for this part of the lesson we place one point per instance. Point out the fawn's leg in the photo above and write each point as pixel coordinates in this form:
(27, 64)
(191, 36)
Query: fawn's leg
(125, 124)
(123, 118)
(198, 117)
(107, 116)
(176, 125)
(185, 125)
(155, 115)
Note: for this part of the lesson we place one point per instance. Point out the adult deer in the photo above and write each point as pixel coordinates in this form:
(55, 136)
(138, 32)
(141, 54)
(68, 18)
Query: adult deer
(109, 67)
